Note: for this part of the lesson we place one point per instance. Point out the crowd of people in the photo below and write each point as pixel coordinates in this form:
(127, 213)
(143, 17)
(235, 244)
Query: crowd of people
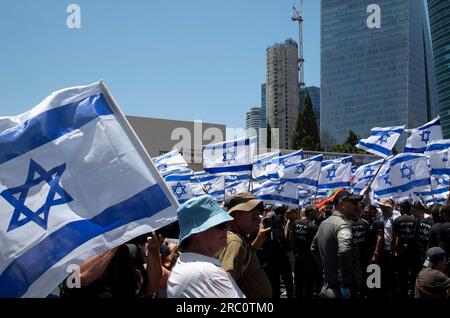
(249, 249)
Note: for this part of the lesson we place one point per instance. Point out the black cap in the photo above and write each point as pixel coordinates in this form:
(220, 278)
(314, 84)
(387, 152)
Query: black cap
(346, 195)
(434, 255)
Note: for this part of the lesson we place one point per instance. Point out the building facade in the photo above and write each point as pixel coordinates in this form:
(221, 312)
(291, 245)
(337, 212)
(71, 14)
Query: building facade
(374, 76)
(262, 113)
(252, 122)
(282, 89)
(439, 17)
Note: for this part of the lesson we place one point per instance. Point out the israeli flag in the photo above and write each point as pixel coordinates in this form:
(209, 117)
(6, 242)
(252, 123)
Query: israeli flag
(305, 175)
(229, 157)
(363, 176)
(422, 136)
(171, 162)
(184, 186)
(235, 184)
(75, 181)
(438, 156)
(334, 174)
(381, 141)
(259, 171)
(212, 184)
(281, 162)
(285, 193)
(404, 175)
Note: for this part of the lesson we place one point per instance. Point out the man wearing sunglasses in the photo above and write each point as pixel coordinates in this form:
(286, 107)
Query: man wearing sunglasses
(203, 232)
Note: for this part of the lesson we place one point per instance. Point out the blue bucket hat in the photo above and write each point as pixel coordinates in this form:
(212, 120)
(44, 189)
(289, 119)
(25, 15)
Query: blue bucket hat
(199, 214)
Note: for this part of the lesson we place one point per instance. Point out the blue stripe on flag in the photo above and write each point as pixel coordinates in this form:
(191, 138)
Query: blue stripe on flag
(414, 150)
(442, 171)
(228, 169)
(306, 181)
(397, 160)
(376, 132)
(271, 197)
(374, 147)
(436, 147)
(28, 267)
(404, 187)
(334, 185)
(229, 144)
(50, 125)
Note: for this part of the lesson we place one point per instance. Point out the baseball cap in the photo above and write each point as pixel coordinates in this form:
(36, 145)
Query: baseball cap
(200, 214)
(434, 255)
(346, 195)
(386, 202)
(243, 201)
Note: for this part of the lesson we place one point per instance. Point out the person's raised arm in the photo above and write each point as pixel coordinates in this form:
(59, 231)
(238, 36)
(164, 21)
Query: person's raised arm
(94, 267)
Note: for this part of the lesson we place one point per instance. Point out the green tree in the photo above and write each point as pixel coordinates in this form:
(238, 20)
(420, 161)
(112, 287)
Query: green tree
(349, 146)
(306, 133)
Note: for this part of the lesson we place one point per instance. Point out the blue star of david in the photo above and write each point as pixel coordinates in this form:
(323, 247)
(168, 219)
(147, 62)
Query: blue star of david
(406, 172)
(36, 175)
(425, 136)
(208, 186)
(368, 170)
(368, 182)
(179, 190)
(300, 169)
(162, 167)
(229, 156)
(331, 173)
(387, 181)
(279, 189)
(384, 137)
(233, 191)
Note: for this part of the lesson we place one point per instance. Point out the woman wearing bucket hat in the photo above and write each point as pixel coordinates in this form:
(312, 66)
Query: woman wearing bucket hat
(203, 232)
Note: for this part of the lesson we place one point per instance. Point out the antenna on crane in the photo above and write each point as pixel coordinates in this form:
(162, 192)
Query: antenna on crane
(297, 16)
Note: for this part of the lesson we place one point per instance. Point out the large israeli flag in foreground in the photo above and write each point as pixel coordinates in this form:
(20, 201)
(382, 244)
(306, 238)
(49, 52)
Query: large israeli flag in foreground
(438, 157)
(422, 136)
(74, 181)
(171, 162)
(381, 141)
(403, 176)
(229, 157)
(334, 174)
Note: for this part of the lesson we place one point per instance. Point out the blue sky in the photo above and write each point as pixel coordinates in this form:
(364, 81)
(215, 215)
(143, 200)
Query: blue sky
(178, 59)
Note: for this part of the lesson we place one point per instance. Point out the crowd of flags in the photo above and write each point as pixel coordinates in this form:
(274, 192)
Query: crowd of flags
(421, 172)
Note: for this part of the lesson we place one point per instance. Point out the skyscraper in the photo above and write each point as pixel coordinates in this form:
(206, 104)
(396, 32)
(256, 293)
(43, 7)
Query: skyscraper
(439, 16)
(252, 122)
(262, 115)
(374, 76)
(282, 89)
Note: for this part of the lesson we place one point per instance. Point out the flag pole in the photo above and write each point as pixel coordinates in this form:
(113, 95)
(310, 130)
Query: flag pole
(201, 184)
(375, 175)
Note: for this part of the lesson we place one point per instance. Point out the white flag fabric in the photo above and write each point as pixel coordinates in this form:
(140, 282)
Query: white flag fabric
(229, 157)
(334, 174)
(278, 163)
(235, 184)
(438, 157)
(404, 175)
(259, 171)
(422, 136)
(171, 162)
(364, 175)
(212, 184)
(381, 141)
(305, 175)
(285, 193)
(74, 182)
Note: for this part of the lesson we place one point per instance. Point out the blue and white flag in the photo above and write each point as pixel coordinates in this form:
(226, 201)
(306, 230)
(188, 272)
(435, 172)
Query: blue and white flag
(74, 182)
(278, 192)
(334, 174)
(212, 184)
(184, 186)
(171, 162)
(305, 175)
(381, 141)
(422, 136)
(438, 156)
(404, 175)
(229, 157)
(364, 175)
(259, 171)
(279, 163)
(235, 184)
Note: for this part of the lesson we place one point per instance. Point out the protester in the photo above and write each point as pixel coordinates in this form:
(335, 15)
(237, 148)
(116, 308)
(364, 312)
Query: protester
(197, 274)
(432, 282)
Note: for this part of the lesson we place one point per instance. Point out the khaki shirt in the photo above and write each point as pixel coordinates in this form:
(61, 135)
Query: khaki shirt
(238, 256)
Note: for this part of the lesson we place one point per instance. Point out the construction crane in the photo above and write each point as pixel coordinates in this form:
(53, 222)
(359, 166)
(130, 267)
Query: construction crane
(297, 16)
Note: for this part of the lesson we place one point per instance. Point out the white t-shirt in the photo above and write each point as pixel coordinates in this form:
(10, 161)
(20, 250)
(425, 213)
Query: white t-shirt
(199, 276)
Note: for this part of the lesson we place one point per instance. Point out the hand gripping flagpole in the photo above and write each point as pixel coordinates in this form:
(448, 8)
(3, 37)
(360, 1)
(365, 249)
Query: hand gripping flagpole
(375, 175)
(201, 184)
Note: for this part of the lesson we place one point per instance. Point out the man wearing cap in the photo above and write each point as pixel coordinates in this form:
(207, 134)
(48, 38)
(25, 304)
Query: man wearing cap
(203, 232)
(239, 256)
(334, 249)
(431, 282)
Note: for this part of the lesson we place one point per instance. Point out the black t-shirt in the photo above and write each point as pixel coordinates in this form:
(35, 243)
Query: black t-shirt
(360, 230)
(424, 232)
(440, 236)
(376, 227)
(405, 226)
(304, 232)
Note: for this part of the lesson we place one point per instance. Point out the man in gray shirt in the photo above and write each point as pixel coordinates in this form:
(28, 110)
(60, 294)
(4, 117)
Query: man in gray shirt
(334, 249)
